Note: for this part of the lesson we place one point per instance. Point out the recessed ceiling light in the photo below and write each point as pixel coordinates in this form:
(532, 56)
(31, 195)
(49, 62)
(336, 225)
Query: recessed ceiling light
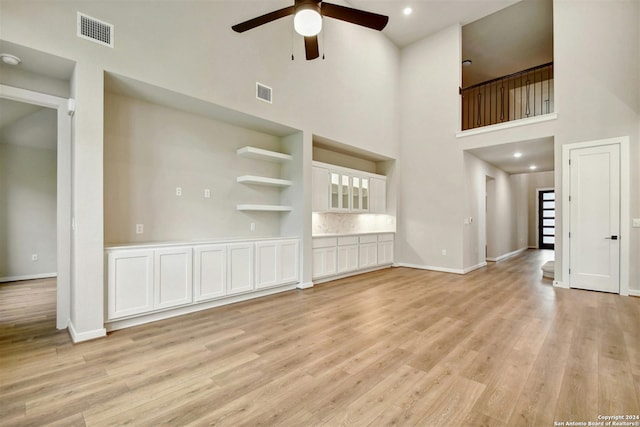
(517, 154)
(407, 11)
(467, 63)
(10, 59)
(533, 167)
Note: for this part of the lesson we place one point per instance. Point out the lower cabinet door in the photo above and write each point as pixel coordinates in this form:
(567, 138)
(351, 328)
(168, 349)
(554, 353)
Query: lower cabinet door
(368, 256)
(129, 283)
(173, 277)
(385, 253)
(210, 272)
(289, 261)
(347, 258)
(239, 268)
(324, 262)
(267, 260)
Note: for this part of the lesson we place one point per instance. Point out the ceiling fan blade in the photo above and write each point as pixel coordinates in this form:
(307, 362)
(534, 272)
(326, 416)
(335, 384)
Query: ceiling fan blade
(355, 16)
(264, 19)
(311, 47)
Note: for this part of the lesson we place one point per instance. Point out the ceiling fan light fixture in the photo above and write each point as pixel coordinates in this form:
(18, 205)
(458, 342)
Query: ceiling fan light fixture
(307, 21)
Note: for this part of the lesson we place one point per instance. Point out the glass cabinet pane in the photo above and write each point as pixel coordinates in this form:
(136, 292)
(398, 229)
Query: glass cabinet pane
(355, 193)
(345, 191)
(365, 194)
(335, 182)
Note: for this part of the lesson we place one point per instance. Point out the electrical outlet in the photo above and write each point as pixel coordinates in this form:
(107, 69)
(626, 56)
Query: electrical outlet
(139, 228)
(34, 257)
(253, 226)
(636, 222)
(444, 252)
(207, 193)
(178, 191)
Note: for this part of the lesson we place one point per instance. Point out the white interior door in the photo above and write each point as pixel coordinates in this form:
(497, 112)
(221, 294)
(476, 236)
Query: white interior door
(595, 218)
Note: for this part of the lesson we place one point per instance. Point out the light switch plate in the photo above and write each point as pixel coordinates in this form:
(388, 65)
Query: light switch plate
(207, 193)
(636, 222)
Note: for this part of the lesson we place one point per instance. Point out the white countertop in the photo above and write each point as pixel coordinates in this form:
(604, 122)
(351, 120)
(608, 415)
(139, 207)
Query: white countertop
(352, 234)
(216, 240)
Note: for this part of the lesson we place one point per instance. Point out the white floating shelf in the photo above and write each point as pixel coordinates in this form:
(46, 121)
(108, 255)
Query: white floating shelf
(259, 153)
(267, 208)
(261, 180)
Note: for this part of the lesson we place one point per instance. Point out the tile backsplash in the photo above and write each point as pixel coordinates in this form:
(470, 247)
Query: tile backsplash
(336, 223)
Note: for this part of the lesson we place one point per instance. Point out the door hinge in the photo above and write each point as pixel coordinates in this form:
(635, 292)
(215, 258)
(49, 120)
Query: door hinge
(569, 234)
(569, 270)
(569, 198)
(569, 162)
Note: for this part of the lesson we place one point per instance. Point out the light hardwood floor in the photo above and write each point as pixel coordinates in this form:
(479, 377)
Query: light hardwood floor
(497, 347)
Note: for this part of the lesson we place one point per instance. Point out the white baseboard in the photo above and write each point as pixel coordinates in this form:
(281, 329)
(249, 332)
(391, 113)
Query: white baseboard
(559, 284)
(475, 267)
(77, 337)
(509, 255)
(305, 285)
(431, 268)
(28, 277)
(634, 292)
(114, 325)
(349, 274)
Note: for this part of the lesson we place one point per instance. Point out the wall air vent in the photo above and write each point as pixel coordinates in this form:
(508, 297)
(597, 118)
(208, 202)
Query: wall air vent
(264, 93)
(95, 30)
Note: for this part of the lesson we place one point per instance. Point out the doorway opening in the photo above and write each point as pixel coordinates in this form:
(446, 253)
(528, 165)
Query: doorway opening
(546, 214)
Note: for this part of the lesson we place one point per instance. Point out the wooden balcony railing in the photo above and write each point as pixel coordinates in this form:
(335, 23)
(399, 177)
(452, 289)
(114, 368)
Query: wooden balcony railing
(520, 95)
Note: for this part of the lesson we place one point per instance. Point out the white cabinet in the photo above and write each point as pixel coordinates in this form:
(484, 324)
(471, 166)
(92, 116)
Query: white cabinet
(320, 189)
(347, 254)
(378, 195)
(338, 189)
(385, 249)
(276, 263)
(340, 192)
(368, 251)
(150, 280)
(333, 256)
(289, 261)
(172, 277)
(210, 272)
(240, 268)
(129, 283)
(324, 257)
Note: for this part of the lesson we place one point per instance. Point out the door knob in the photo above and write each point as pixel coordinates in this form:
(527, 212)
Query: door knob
(612, 238)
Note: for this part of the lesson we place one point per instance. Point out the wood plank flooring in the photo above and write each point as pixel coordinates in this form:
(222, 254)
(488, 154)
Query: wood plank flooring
(497, 347)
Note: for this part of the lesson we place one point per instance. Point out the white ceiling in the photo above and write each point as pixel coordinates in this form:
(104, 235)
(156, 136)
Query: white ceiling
(429, 16)
(538, 152)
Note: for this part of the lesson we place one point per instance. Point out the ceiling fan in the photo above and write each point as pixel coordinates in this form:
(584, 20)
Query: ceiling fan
(308, 20)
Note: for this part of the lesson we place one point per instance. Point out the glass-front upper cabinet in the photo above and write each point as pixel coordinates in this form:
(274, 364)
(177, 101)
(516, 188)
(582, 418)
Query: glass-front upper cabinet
(364, 191)
(344, 192)
(355, 193)
(335, 191)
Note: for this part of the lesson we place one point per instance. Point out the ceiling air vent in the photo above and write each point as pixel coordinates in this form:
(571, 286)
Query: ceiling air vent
(95, 30)
(263, 93)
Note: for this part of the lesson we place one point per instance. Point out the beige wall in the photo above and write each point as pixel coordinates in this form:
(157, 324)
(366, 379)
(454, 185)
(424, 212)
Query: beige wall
(149, 150)
(28, 196)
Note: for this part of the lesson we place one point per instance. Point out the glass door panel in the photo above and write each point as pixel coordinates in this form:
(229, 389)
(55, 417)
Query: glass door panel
(344, 191)
(335, 188)
(355, 193)
(365, 194)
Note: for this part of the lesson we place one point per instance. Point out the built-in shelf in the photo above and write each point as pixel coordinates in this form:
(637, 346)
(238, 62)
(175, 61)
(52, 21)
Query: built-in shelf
(259, 153)
(264, 208)
(261, 180)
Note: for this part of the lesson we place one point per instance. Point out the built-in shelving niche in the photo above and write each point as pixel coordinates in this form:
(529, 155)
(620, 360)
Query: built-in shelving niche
(251, 167)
